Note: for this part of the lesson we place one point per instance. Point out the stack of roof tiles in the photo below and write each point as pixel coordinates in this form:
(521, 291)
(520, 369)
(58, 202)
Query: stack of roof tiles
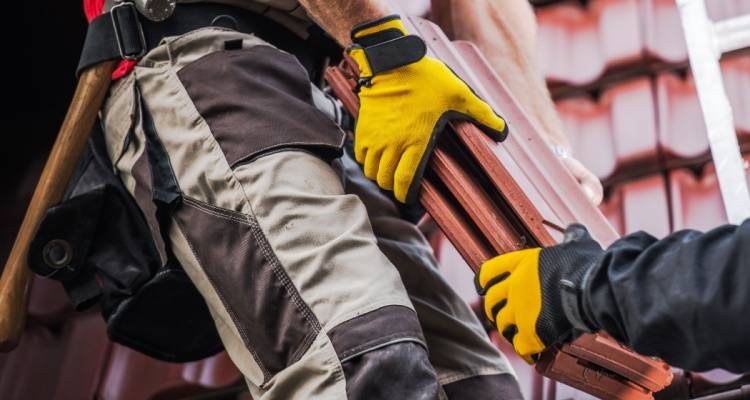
(618, 71)
(630, 109)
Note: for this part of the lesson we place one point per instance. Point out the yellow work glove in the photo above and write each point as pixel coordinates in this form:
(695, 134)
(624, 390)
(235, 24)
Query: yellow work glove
(406, 99)
(533, 296)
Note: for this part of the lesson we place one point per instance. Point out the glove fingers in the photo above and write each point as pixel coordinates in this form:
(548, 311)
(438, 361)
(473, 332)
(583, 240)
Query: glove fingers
(372, 163)
(522, 351)
(495, 300)
(387, 171)
(505, 322)
(527, 345)
(360, 150)
(525, 342)
(403, 178)
(504, 264)
(491, 124)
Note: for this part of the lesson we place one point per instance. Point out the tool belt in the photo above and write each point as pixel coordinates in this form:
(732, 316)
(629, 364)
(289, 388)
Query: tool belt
(99, 244)
(122, 33)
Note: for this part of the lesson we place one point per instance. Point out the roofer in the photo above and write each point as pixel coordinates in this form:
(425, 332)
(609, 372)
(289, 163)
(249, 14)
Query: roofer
(317, 286)
(684, 298)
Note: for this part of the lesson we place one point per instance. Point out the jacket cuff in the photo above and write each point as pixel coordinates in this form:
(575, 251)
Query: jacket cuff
(584, 313)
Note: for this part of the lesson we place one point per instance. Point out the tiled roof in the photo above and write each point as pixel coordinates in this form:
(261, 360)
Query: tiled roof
(649, 123)
(643, 133)
(579, 44)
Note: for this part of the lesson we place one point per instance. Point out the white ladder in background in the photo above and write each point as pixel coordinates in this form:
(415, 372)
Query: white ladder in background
(706, 42)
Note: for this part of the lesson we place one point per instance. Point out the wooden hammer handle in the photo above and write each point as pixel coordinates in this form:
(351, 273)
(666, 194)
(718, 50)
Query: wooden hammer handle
(15, 284)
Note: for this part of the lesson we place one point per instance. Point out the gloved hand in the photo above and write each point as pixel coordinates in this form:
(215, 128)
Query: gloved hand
(406, 98)
(533, 296)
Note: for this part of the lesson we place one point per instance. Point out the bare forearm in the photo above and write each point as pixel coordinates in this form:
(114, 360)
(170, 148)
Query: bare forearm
(338, 17)
(505, 31)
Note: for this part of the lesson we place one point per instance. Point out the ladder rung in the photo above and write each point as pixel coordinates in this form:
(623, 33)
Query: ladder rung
(733, 33)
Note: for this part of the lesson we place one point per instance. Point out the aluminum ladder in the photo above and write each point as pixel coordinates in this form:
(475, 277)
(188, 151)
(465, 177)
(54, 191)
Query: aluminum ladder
(706, 42)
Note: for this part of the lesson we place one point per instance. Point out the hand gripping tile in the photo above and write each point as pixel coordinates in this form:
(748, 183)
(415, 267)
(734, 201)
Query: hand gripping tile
(490, 198)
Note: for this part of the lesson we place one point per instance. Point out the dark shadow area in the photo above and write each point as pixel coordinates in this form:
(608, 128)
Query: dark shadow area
(40, 58)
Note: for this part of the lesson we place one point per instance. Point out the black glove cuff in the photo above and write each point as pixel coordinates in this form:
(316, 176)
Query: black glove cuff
(395, 53)
(377, 37)
(564, 269)
(587, 315)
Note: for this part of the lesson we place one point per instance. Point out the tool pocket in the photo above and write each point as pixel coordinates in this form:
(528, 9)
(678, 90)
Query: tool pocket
(98, 244)
(259, 100)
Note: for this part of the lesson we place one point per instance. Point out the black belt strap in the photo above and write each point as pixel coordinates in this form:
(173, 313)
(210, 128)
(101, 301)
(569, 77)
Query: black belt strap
(123, 33)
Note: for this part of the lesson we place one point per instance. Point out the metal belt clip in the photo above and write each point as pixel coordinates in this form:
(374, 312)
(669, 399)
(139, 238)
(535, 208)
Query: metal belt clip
(128, 30)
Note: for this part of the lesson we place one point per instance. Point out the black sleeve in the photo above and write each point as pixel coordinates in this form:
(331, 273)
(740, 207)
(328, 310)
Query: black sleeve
(685, 298)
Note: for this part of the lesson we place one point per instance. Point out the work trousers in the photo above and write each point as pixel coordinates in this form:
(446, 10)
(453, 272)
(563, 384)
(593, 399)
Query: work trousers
(318, 289)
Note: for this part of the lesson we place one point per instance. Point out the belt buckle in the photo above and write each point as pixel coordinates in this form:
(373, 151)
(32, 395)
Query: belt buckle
(120, 22)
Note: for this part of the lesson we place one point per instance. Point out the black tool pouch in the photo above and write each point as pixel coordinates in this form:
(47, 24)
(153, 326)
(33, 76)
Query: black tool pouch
(98, 244)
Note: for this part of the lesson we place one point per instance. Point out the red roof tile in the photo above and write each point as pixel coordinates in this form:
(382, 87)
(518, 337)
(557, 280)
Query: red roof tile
(645, 206)
(616, 132)
(663, 33)
(578, 44)
(696, 201)
(736, 73)
(682, 131)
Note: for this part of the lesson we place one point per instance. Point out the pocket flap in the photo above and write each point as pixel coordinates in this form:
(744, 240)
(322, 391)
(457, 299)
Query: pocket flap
(61, 245)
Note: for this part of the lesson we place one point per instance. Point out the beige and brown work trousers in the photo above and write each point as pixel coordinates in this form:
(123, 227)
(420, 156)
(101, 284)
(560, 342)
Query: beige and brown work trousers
(319, 290)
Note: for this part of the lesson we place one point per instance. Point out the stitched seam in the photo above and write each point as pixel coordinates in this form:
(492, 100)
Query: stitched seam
(283, 146)
(268, 252)
(175, 46)
(395, 301)
(250, 220)
(275, 266)
(382, 345)
(220, 213)
(309, 100)
(304, 346)
(208, 56)
(266, 373)
(291, 290)
(471, 373)
(374, 342)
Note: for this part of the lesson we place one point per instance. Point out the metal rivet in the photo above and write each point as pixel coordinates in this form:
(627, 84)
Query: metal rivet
(57, 253)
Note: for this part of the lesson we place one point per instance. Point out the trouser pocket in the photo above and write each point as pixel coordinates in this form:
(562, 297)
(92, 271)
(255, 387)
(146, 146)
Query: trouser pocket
(259, 100)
